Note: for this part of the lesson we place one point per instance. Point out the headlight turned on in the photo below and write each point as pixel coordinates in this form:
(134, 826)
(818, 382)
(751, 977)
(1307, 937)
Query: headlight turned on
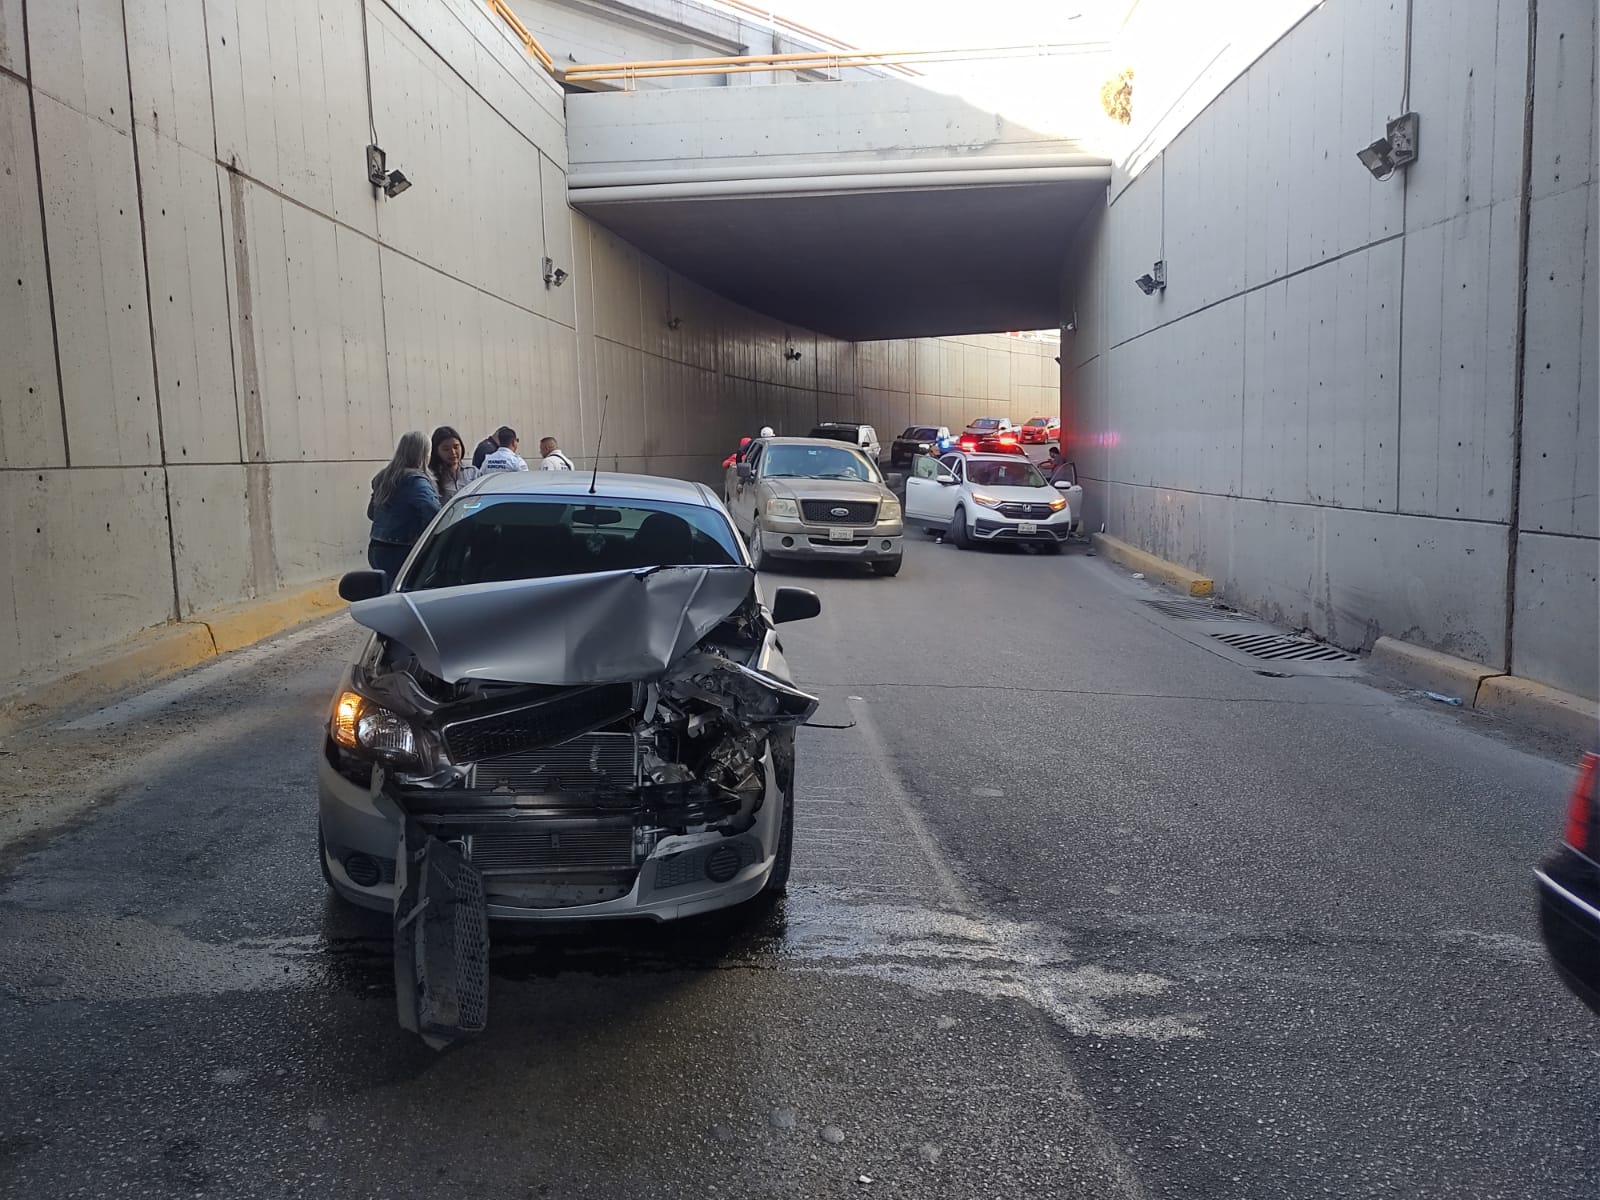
(345, 714)
(778, 507)
(986, 501)
(358, 724)
(1058, 504)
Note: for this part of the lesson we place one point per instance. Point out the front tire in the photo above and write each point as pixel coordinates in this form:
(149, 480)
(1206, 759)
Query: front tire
(888, 568)
(957, 534)
(758, 556)
(778, 881)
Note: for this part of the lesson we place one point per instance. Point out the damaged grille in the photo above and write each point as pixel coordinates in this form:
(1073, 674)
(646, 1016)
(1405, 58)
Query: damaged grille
(856, 512)
(556, 720)
(575, 850)
(590, 761)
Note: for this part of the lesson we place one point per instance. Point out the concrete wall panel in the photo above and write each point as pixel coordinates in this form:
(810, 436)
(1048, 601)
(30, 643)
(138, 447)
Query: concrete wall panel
(1558, 577)
(171, 77)
(1561, 413)
(210, 535)
(99, 537)
(319, 525)
(1564, 82)
(189, 302)
(97, 267)
(80, 59)
(30, 399)
(13, 53)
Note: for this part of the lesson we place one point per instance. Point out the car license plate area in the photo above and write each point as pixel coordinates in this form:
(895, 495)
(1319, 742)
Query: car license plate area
(841, 535)
(1028, 527)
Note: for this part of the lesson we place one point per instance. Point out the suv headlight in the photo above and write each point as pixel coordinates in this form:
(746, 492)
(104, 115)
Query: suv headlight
(779, 507)
(986, 501)
(1058, 504)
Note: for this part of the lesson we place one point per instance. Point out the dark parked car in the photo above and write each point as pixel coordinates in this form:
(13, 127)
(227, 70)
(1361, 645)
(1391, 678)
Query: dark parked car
(917, 439)
(1569, 891)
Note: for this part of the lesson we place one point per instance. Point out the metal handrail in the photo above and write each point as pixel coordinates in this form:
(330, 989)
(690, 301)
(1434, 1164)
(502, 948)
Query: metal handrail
(530, 43)
(804, 61)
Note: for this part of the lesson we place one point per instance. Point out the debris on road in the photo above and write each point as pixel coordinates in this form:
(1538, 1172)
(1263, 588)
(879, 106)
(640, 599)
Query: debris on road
(831, 1134)
(1441, 698)
(1138, 574)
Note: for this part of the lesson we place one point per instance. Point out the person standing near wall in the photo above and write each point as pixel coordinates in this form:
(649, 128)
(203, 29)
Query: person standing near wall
(482, 451)
(404, 500)
(551, 457)
(449, 476)
(505, 457)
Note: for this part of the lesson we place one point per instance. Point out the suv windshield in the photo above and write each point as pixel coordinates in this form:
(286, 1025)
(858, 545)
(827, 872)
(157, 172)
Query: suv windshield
(920, 432)
(817, 462)
(986, 423)
(489, 539)
(1017, 473)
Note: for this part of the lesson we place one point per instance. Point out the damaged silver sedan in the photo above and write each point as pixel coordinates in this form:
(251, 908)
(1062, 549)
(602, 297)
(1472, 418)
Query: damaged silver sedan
(573, 705)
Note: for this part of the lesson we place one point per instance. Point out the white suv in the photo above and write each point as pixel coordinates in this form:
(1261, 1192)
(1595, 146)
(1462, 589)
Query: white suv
(972, 498)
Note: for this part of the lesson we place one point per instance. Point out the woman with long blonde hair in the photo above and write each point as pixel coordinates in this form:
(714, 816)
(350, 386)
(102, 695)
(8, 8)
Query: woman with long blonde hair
(404, 500)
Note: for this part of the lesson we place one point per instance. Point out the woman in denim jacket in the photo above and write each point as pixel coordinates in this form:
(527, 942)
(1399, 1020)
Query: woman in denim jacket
(404, 500)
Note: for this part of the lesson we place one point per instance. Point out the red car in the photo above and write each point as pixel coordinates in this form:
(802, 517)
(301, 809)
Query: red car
(1042, 429)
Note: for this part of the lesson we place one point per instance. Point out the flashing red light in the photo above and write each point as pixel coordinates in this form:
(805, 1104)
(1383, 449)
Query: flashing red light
(1007, 440)
(968, 443)
(1580, 808)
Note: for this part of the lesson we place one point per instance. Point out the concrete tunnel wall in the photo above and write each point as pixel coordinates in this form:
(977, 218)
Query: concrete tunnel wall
(212, 331)
(1321, 410)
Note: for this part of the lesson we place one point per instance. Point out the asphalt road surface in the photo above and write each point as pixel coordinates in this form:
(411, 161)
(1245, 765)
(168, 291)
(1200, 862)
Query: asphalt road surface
(1083, 906)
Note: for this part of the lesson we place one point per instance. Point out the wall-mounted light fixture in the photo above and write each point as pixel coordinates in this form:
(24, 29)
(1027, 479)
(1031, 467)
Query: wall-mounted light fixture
(554, 276)
(792, 354)
(1396, 149)
(1155, 281)
(674, 322)
(390, 183)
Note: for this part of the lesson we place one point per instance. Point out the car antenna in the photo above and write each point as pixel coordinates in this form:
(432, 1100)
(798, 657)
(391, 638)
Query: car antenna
(599, 441)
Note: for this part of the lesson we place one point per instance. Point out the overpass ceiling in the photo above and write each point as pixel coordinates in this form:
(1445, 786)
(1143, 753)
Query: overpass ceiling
(871, 265)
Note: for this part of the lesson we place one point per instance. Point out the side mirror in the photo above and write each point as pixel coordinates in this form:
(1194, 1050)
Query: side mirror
(794, 604)
(947, 480)
(744, 472)
(362, 585)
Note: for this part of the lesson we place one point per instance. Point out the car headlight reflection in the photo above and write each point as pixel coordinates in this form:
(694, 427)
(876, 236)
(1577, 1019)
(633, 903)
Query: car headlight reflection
(386, 734)
(778, 507)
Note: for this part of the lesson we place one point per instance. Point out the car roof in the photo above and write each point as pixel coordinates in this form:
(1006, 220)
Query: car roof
(839, 424)
(990, 456)
(612, 485)
(807, 441)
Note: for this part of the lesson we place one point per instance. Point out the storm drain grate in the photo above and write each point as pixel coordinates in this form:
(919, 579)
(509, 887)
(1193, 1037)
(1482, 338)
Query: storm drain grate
(1278, 646)
(1195, 610)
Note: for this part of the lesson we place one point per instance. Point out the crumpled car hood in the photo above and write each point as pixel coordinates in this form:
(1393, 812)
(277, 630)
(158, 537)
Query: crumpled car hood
(612, 627)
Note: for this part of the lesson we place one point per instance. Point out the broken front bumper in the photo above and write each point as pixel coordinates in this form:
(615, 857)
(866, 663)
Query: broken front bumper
(577, 859)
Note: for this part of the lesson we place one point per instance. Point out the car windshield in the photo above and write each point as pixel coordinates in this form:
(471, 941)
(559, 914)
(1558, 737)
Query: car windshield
(490, 539)
(986, 423)
(817, 462)
(1039, 421)
(920, 432)
(1016, 473)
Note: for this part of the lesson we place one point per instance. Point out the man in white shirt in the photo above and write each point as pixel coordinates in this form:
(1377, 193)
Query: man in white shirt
(551, 457)
(506, 458)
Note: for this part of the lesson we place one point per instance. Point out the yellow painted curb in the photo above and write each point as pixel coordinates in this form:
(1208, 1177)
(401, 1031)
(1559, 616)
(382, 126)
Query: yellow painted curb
(1431, 670)
(245, 624)
(1152, 567)
(1546, 708)
(167, 649)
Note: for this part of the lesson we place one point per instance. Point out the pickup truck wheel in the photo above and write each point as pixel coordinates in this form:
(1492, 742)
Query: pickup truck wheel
(957, 533)
(887, 568)
(757, 554)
